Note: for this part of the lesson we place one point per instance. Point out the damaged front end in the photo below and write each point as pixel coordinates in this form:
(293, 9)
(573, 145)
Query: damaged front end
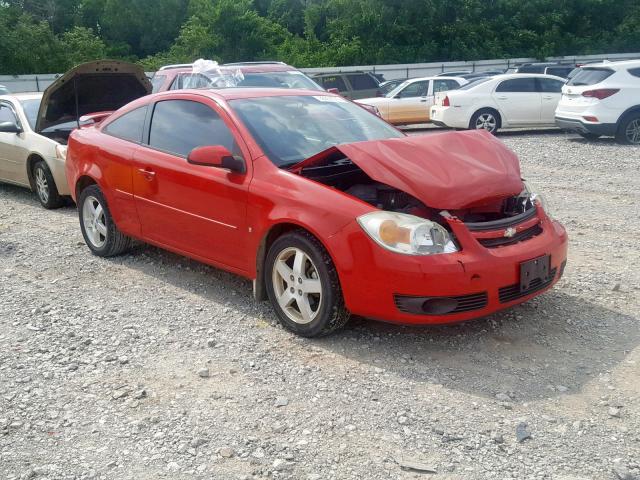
(423, 186)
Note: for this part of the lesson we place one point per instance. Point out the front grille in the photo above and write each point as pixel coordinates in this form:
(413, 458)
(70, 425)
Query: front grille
(518, 237)
(459, 304)
(512, 292)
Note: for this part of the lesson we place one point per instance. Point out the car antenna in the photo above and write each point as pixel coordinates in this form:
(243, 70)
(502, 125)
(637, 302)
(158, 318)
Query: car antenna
(75, 92)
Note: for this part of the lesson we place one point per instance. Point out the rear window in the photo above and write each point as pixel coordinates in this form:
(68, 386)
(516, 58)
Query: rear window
(531, 69)
(334, 81)
(362, 82)
(474, 83)
(590, 76)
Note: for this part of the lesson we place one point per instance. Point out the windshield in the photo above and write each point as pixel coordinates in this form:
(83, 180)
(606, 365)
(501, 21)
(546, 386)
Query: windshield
(290, 129)
(397, 89)
(30, 108)
(157, 82)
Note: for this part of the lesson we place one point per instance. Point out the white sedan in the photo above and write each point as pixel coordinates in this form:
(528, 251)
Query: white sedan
(409, 103)
(504, 101)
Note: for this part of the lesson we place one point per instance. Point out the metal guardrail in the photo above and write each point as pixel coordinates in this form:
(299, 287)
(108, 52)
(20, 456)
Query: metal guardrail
(38, 82)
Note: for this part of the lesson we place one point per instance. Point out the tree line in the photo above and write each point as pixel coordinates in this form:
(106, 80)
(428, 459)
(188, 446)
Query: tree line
(46, 36)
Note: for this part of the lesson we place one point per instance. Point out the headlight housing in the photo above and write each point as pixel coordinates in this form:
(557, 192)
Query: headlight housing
(538, 198)
(407, 234)
(61, 152)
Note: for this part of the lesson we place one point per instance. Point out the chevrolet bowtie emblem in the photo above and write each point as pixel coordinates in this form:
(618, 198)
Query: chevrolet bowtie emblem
(509, 232)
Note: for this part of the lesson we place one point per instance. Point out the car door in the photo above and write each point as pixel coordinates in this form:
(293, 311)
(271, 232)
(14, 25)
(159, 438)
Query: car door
(13, 147)
(362, 85)
(551, 91)
(409, 105)
(519, 101)
(194, 209)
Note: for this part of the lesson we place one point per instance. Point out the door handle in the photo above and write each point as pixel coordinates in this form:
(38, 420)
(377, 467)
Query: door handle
(423, 99)
(148, 174)
(548, 98)
(502, 97)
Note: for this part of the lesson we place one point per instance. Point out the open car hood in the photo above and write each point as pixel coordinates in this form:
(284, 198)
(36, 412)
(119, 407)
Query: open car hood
(449, 170)
(103, 85)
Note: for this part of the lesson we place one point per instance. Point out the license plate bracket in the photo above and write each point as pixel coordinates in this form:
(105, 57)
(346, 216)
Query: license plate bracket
(536, 269)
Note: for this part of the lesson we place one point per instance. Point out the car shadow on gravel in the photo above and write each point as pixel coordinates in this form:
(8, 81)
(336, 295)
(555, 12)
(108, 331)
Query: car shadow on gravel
(534, 351)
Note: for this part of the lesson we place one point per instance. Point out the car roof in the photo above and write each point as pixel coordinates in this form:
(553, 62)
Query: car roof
(244, 68)
(234, 93)
(614, 65)
(22, 96)
(508, 76)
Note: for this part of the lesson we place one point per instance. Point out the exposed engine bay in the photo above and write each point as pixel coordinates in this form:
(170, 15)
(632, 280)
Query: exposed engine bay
(341, 173)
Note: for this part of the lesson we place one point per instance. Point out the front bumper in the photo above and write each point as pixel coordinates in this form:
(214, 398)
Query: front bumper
(377, 283)
(578, 126)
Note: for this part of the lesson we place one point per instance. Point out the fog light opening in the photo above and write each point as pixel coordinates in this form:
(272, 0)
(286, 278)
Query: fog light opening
(439, 306)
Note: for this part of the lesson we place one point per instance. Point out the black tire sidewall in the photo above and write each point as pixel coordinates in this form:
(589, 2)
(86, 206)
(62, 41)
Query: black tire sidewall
(330, 294)
(621, 134)
(94, 191)
(54, 200)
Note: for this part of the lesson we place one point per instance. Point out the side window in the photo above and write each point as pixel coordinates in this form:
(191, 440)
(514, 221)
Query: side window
(334, 81)
(362, 81)
(548, 85)
(129, 126)
(179, 126)
(6, 114)
(635, 72)
(444, 85)
(519, 85)
(415, 89)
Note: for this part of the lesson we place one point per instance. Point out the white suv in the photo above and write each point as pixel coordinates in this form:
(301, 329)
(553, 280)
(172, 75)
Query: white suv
(603, 99)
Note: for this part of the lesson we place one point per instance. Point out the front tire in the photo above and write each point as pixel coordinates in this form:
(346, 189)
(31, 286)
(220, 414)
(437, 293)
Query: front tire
(98, 228)
(629, 130)
(45, 186)
(303, 285)
(487, 119)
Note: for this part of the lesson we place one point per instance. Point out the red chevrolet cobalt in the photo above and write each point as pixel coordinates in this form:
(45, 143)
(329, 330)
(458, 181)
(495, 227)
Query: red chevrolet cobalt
(327, 208)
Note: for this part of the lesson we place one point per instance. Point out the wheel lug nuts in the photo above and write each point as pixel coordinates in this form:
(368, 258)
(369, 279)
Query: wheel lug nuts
(300, 292)
(291, 278)
(299, 280)
(292, 290)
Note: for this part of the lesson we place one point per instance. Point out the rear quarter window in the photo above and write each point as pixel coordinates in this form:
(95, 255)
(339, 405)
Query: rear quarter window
(590, 76)
(129, 126)
(635, 72)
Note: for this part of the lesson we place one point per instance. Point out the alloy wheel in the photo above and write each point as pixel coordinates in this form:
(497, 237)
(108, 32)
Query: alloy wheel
(486, 121)
(94, 221)
(633, 132)
(297, 285)
(42, 186)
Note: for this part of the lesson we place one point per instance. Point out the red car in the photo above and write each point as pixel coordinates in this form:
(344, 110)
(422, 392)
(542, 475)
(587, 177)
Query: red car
(327, 208)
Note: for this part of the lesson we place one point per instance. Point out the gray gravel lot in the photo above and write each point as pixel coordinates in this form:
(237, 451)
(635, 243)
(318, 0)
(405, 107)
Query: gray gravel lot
(151, 366)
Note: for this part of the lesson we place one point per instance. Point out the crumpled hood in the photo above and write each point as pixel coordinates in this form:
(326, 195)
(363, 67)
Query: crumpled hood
(103, 85)
(449, 170)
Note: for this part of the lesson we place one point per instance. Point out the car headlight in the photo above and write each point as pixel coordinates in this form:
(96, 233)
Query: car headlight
(538, 199)
(402, 233)
(61, 152)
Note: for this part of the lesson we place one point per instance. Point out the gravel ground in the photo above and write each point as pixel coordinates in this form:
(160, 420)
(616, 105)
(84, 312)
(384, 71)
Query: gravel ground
(152, 366)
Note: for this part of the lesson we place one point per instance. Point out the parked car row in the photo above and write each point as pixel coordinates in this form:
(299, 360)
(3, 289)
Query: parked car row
(328, 209)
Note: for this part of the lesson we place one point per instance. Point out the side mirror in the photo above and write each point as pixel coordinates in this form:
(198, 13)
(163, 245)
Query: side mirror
(333, 90)
(216, 156)
(9, 127)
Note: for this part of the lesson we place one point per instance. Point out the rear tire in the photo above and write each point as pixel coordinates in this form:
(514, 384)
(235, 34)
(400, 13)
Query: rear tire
(45, 186)
(629, 130)
(589, 136)
(98, 228)
(303, 285)
(487, 119)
